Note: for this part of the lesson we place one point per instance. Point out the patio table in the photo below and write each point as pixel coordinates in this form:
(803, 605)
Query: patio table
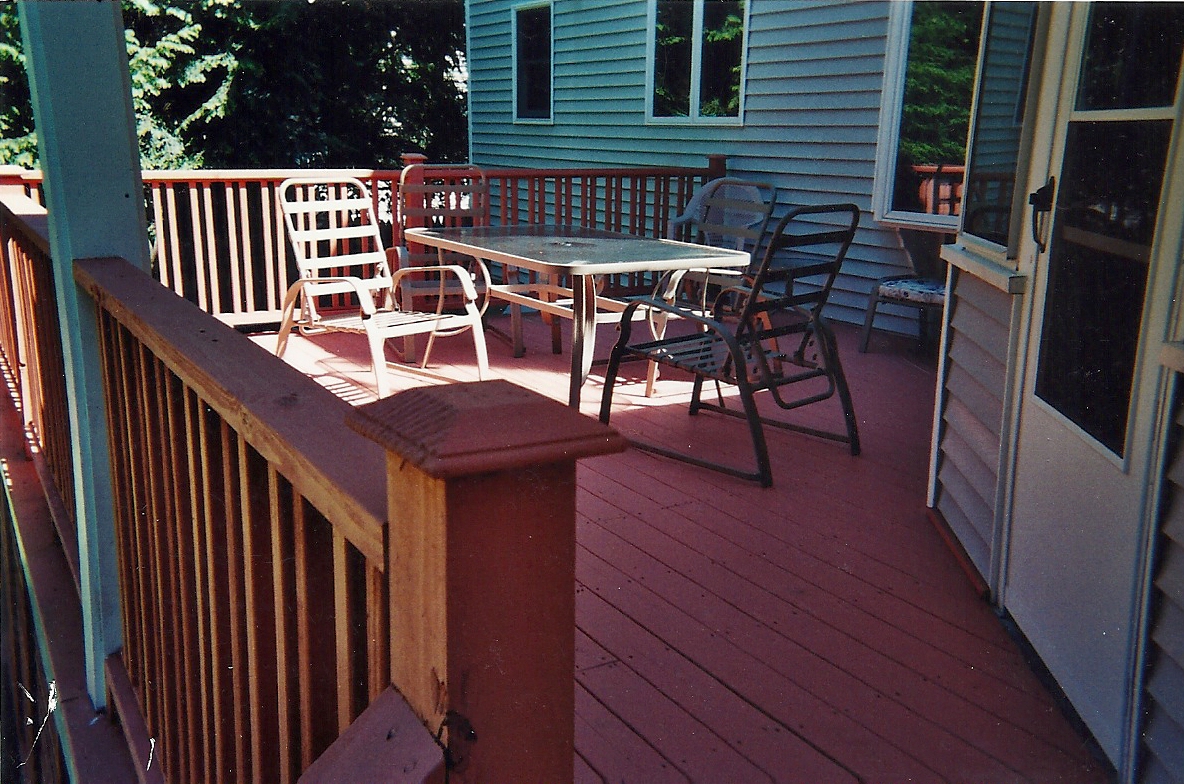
(583, 254)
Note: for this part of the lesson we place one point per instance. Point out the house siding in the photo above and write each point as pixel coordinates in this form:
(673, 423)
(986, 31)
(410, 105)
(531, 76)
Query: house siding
(973, 392)
(1161, 756)
(815, 74)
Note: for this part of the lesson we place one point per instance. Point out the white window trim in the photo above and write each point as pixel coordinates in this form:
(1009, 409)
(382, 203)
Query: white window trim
(896, 58)
(696, 70)
(550, 118)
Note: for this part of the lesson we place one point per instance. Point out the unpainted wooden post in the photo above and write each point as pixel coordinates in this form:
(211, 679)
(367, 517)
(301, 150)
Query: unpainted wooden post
(481, 562)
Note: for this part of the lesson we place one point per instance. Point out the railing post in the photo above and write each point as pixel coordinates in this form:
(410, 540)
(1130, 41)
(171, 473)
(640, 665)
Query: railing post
(481, 495)
(412, 158)
(78, 73)
(717, 166)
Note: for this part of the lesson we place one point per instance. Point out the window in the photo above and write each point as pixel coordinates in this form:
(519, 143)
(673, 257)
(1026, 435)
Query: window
(929, 76)
(1107, 207)
(697, 56)
(532, 63)
(995, 161)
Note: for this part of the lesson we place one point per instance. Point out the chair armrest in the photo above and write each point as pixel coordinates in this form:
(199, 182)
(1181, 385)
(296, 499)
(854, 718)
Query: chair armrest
(354, 284)
(466, 281)
(678, 222)
(712, 325)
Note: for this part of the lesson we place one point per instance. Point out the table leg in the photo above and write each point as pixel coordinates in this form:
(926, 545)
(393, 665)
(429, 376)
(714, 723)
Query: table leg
(583, 333)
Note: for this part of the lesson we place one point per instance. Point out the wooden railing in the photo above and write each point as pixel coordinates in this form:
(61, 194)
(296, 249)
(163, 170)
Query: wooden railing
(31, 343)
(940, 189)
(636, 201)
(289, 586)
(218, 235)
(250, 525)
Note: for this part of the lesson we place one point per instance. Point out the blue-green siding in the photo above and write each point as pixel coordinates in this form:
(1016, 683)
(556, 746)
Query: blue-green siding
(812, 107)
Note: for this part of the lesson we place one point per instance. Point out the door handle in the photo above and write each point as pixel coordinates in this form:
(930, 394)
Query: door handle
(1041, 200)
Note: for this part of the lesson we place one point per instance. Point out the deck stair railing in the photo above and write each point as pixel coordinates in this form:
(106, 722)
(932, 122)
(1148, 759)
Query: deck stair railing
(300, 579)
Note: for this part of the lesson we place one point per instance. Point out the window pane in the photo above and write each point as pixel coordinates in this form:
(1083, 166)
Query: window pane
(935, 116)
(723, 49)
(534, 63)
(1097, 272)
(1110, 80)
(673, 35)
(994, 151)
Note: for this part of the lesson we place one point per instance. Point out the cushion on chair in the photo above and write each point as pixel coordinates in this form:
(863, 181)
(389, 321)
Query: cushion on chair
(921, 291)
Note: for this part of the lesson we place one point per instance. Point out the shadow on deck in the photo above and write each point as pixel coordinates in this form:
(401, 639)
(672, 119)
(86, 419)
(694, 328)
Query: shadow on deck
(817, 631)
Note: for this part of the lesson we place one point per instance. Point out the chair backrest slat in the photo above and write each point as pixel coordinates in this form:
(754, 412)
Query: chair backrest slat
(729, 213)
(333, 229)
(798, 229)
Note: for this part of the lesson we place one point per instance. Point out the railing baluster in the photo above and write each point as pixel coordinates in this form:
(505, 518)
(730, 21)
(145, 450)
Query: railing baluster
(237, 607)
(283, 580)
(212, 266)
(256, 479)
(213, 522)
(174, 240)
(183, 587)
(344, 677)
(193, 191)
(197, 533)
(244, 302)
(160, 246)
(237, 237)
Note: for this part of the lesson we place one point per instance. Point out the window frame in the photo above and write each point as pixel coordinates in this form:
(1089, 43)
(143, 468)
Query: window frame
(896, 59)
(514, 62)
(1007, 255)
(693, 118)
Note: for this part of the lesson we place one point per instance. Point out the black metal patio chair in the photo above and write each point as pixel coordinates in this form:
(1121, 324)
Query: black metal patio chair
(740, 343)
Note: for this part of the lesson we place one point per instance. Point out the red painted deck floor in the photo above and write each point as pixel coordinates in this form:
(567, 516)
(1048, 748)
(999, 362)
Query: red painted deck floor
(817, 631)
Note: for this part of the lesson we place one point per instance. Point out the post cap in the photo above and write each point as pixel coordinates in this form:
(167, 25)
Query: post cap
(480, 427)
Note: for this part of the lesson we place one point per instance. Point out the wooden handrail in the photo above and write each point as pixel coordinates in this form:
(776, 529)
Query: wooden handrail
(291, 420)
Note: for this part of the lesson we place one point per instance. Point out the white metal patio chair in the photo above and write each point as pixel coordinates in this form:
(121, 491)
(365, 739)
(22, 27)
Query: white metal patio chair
(346, 283)
(438, 196)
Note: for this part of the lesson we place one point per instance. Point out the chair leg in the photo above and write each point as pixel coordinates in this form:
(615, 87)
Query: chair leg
(610, 373)
(516, 330)
(872, 302)
(651, 378)
(759, 447)
(557, 336)
(834, 368)
(378, 357)
(696, 396)
(482, 352)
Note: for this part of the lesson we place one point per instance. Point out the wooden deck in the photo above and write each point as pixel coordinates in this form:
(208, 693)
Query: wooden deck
(817, 631)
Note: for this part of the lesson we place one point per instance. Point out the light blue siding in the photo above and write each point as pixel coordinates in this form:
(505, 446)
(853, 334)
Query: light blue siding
(812, 106)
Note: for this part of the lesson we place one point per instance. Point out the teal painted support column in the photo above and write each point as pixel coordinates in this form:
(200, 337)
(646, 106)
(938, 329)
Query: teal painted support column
(78, 72)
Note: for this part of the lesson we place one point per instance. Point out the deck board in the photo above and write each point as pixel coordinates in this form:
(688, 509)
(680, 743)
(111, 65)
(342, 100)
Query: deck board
(817, 631)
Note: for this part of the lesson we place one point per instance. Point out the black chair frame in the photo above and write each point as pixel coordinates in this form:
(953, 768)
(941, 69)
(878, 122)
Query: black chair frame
(738, 344)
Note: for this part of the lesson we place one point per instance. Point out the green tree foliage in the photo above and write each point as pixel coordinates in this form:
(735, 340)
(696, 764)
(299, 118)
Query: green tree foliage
(343, 84)
(276, 84)
(176, 88)
(18, 143)
(939, 82)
